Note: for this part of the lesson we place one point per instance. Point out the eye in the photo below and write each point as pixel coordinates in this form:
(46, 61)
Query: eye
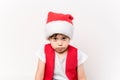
(64, 38)
(54, 38)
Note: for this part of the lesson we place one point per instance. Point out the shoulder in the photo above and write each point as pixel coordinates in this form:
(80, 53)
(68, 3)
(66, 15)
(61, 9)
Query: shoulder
(40, 52)
(82, 56)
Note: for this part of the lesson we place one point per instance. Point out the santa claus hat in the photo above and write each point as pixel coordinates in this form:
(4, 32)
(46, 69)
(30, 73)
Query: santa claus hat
(59, 23)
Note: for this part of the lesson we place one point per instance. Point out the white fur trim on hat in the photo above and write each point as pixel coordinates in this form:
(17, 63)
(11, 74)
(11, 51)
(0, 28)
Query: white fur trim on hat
(62, 27)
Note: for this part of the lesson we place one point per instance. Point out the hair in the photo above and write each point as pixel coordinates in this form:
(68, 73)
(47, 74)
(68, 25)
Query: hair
(55, 35)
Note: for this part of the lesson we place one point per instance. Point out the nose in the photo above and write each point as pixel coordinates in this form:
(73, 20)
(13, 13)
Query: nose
(60, 43)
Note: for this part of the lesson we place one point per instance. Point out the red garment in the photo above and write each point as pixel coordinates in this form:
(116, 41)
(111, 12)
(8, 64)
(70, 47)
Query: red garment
(71, 63)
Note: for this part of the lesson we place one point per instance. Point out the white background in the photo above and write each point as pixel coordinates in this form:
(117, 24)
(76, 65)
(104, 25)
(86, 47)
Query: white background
(97, 29)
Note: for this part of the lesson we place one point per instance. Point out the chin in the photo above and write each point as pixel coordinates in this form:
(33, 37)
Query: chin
(61, 51)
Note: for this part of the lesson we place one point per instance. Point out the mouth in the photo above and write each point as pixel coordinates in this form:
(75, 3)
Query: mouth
(60, 50)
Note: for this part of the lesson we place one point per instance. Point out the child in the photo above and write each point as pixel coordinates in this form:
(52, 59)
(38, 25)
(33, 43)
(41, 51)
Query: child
(58, 60)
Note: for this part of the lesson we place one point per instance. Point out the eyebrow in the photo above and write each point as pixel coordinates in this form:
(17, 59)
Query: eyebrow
(55, 36)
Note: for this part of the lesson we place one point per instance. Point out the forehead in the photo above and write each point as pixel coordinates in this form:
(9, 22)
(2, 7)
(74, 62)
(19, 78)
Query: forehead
(58, 35)
(61, 35)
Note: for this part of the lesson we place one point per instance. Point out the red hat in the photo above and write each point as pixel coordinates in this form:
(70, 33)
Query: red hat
(59, 23)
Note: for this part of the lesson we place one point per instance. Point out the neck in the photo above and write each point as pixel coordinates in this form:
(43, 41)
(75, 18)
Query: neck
(62, 54)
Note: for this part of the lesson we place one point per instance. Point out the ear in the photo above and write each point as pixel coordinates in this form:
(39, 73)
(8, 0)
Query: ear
(49, 38)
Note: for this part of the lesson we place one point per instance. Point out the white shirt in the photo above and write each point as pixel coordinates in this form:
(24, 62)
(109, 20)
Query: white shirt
(59, 71)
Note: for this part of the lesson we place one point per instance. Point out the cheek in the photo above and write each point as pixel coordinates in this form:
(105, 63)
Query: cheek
(53, 44)
(66, 44)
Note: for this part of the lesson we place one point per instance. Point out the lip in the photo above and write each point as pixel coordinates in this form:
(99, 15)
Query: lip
(59, 49)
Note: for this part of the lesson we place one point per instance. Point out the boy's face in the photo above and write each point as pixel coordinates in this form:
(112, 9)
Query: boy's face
(59, 42)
